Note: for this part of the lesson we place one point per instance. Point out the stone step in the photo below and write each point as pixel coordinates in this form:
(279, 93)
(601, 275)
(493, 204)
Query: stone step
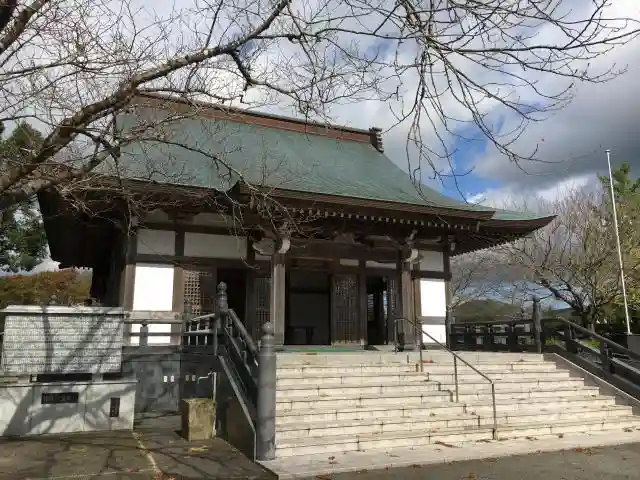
(450, 437)
(352, 443)
(499, 377)
(370, 426)
(361, 400)
(437, 422)
(466, 397)
(570, 413)
(446, 367)
(347, 379)
(330, 391)
(403, 377)
(506, 412)
(354, 369)
(395, 397)
(621, 423)
(337, 390)
(540, 404)
(512, 385)
(285, 358)
(375, 412)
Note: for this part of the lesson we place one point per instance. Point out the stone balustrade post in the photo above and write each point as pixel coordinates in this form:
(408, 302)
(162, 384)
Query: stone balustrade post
(222, 312)
(537, 324)
(266, 408)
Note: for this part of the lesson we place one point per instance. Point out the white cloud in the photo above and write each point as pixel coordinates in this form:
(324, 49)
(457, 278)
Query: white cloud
(507, 196)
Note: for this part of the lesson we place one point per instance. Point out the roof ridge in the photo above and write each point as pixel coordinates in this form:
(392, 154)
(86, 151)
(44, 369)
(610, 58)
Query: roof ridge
(370, 135)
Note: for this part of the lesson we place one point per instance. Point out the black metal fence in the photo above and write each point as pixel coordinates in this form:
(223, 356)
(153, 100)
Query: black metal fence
(605, 356)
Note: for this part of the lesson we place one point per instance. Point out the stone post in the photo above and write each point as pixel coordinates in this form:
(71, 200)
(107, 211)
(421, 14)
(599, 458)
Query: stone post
(537, 324)
(266, 425)
(447, 327)
(222, 311)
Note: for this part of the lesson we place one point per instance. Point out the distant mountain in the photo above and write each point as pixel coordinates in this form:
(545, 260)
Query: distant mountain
(485, 310)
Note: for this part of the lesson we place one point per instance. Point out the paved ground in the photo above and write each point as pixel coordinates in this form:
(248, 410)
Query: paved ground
(155, 451)
(600, 463)
(443, 461)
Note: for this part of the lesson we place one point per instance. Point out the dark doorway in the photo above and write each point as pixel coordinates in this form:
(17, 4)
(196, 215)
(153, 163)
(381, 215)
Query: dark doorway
(376, 310)
(236, 280)
(308, 313)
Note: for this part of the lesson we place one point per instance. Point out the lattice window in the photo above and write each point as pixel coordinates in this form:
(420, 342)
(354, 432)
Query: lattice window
(199, 291)
(345, 308)
(263, 304)
(392, 307)
(371, 307)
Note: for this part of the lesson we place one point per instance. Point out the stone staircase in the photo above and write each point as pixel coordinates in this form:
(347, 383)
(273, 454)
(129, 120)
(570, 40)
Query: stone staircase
(329, 403)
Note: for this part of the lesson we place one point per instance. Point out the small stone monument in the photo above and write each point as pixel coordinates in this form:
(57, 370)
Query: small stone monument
(60, 356)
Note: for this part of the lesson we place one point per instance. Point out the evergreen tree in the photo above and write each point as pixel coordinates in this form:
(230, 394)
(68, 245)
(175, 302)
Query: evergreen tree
(627, 194)
(23, 244)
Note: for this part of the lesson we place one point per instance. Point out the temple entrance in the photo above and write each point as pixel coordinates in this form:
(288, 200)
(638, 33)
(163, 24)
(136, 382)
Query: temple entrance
(308, 311)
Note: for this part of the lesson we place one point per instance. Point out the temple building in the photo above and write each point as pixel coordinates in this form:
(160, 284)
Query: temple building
(310, 226)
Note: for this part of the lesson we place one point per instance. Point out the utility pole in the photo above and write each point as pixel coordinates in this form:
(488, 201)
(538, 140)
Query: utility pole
(615, 226)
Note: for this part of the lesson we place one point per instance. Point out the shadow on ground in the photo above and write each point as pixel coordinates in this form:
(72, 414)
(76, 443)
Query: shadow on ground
(154, 451)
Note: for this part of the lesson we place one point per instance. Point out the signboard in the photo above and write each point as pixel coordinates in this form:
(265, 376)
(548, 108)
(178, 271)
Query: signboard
(61, 340)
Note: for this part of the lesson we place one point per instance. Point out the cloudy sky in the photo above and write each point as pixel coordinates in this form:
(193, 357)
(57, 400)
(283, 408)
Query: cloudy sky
(574, 139)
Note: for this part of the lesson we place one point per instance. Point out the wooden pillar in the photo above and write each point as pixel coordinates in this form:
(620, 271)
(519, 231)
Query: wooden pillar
(362, 302)
(417, 308)
(127, 283)
(278, 297)
(251, 320)
(446, 259)
(406, 302)
(178, 274)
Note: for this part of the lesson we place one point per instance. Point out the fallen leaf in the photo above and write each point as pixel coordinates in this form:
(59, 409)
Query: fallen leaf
(131, 470)
(198, 449)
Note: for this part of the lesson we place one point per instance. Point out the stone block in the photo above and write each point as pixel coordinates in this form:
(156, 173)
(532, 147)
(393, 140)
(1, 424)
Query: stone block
(198, 418)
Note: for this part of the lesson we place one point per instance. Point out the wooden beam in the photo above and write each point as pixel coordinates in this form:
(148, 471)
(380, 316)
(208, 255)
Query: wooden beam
(430, 274)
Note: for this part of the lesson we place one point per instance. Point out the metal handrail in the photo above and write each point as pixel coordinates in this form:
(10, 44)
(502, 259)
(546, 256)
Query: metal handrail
(457, 357)
(614, 346)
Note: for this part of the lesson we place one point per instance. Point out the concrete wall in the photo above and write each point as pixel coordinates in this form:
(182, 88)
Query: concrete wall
(22, 411)
(165, 375)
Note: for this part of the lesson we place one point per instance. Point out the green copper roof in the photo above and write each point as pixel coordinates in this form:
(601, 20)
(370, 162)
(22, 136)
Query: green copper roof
(272, 157)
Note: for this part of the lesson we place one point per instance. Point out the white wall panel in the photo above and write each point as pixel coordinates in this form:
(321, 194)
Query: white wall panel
(433, 297)
(431, 261)
(156, 242)
(153, 287)
(214, 246)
